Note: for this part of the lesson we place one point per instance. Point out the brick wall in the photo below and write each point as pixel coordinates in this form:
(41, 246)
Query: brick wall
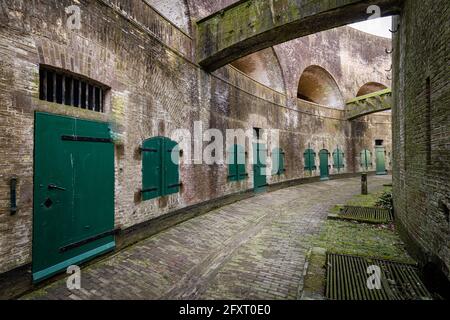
(155, 88)
(421, 130)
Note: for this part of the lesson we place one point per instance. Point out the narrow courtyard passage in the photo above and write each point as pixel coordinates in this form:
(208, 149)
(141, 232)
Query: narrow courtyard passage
(252, 249)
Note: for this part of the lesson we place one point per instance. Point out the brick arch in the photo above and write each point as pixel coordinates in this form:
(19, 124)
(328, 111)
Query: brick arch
(264, 67)
(76, 56)
(317, 85)
(370, 87)
(176, 11)
(239, 29)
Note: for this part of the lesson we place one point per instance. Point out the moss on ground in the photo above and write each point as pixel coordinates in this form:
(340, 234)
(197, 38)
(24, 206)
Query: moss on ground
(368, 200)
(368, 240)
(377, 241)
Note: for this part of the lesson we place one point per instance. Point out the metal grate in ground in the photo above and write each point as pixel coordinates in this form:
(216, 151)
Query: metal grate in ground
(366, 214)
(347, 277)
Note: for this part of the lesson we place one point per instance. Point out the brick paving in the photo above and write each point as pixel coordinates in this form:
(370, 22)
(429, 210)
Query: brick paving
(251, 249)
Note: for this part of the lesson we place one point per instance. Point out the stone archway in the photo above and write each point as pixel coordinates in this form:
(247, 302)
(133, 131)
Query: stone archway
(317, 85)
(370, 87)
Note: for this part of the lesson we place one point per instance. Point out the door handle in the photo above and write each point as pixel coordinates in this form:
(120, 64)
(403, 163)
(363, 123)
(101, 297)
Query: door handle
(55, 187)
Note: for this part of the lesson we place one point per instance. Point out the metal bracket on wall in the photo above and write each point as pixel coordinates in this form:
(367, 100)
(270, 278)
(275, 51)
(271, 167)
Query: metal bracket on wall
(389, 51)
(395, 31)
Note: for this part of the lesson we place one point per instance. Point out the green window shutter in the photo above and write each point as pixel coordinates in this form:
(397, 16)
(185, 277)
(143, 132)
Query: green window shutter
(151, 168)
(239, 153)
(338, 159)
(233, 174)
(309, 157)
(366, 159)
(171, 179)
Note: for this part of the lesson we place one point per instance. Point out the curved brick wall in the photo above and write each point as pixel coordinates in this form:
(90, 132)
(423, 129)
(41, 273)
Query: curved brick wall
(156, 88)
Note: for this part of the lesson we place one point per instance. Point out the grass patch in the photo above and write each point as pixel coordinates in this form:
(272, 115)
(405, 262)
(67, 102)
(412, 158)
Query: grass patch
(361, 239)
(368, 200)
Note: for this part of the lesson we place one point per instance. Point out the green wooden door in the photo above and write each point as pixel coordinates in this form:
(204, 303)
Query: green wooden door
(380, 161)
(259, 166)
(324, 169)
(73, 217)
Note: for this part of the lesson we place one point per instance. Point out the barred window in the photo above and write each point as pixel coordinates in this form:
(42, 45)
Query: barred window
(70, 89)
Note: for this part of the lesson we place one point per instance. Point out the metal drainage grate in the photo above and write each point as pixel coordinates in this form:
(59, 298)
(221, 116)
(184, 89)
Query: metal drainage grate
(347, 278)
(366, 214)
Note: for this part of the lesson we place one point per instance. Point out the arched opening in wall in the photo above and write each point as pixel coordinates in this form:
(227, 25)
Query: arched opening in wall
(264, 67)
(317, 85)
(176, 11)
(369, 88)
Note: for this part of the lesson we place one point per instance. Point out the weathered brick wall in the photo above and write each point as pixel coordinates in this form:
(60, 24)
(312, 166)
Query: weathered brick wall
(421, 187)
(351, 56)
(155, 88)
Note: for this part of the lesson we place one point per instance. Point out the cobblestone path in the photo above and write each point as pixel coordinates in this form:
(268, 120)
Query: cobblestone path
(251, 249)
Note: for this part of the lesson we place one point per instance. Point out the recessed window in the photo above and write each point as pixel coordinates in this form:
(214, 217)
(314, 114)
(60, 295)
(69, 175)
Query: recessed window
(69, 89)
(257, 133)
(445, 211)
(379, 143)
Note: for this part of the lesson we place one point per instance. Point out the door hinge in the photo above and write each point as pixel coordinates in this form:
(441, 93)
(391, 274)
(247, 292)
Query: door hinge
(86, 139)
(88, 240)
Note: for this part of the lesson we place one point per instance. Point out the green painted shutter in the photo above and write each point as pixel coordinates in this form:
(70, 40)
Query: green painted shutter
(171, 178)
(151, 168)
(240, 162)
(309, 157)
(366, 159)
(338, 159)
